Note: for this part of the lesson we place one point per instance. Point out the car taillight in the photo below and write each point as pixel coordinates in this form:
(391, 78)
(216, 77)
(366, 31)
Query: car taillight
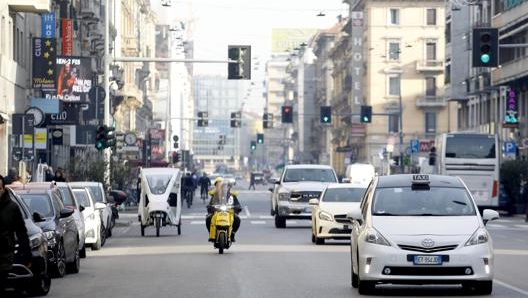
(495, 189)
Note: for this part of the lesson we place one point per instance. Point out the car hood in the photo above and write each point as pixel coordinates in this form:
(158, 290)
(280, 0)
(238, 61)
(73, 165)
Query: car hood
(32, 228)
(303, 186)
(47, 225)
(338, 207)
(425, 225)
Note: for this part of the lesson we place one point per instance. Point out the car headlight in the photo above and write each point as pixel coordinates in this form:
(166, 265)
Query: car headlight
(223, 208)
(480, 236)
(375, 237)
(50, 235)
(284, 196)
(325, 216)
(35, 241)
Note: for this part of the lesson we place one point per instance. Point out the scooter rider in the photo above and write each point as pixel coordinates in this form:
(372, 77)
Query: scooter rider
(215, 200)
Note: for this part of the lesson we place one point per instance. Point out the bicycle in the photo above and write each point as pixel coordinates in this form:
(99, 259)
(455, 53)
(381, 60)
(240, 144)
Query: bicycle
(203, 194)
(188, 197)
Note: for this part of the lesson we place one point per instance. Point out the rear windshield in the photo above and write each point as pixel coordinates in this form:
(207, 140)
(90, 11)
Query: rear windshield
(67, 197)
(439, 201)
(40, 203)
(82, 197)
(343, 195)
(321, 175)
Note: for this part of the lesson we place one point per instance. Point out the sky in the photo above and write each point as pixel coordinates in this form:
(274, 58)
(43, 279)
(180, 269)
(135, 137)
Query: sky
(215, 24)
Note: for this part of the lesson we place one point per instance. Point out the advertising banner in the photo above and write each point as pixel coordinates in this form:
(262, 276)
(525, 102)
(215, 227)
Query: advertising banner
(48, 106)
(157, 145)
(48, 25)
(44, 59)
(74, 78)
(67, 37)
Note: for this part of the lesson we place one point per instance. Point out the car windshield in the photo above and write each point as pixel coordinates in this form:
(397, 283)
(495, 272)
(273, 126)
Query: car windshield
(321, 175)
(40, 203)
(96, 192)
(158, 183)
(437, 201)
(82, 197)
(348, 194)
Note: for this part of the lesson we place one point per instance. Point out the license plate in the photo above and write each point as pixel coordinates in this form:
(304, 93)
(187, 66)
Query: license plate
(427, 260)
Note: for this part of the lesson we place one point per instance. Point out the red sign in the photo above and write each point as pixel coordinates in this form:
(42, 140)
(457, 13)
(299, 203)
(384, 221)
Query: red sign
(67, 37)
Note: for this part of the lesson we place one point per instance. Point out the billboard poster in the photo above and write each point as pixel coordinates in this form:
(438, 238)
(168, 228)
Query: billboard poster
(67, 37)
(48, 25)
(157, 145)
(44, 59)
(74, 78)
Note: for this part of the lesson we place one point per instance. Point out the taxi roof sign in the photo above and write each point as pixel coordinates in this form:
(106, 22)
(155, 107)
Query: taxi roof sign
(420, 182)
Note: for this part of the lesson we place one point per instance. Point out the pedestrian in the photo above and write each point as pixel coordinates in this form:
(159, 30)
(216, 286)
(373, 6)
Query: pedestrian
(11, 174)
(59, 176)
(251, 181)
(48, 174)
(11, 224)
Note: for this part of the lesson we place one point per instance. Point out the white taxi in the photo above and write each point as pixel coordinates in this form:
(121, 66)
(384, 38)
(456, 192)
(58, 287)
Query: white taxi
(420, 229)
(329, 211)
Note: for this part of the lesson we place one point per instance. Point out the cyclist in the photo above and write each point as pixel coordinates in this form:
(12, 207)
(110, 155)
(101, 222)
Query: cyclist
(205, 183)
(188, 188)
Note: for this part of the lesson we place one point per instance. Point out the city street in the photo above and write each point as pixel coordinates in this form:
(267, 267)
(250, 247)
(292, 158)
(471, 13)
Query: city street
(264, 262)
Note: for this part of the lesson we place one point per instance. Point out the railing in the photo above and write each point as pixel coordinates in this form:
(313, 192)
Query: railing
(430, 65)
(430, 101)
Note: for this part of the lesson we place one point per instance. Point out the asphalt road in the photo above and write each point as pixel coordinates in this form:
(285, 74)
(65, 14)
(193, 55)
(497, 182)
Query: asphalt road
(264, 262)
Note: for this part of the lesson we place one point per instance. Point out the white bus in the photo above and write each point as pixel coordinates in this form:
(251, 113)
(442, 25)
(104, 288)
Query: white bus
(475, 158)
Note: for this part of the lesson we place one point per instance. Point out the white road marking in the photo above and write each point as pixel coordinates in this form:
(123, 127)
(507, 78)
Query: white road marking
(198, 222)
(511, 287)
(257, 222)
(246, 209)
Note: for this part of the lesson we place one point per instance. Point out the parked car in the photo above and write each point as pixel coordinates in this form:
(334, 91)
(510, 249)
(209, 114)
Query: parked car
(99, 195)
(59, 225)
(95, 234)
(70, 201)
(34, 280)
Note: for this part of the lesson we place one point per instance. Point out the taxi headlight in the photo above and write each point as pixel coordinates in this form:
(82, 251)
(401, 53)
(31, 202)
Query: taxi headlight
(284, 196)
(375, 237)
(480, 236)
(325, 216)
(50, 235)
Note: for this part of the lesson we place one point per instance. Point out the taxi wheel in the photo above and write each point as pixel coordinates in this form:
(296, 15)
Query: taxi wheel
(319, 241)
(280, 222)
(313, 237)
(365, 287)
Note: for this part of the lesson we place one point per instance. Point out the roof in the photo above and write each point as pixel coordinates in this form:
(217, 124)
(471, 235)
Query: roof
(304, 166)
(403, 180)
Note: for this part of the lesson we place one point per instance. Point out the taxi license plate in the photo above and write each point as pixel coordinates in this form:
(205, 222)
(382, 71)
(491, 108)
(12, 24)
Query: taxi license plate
(427, 260)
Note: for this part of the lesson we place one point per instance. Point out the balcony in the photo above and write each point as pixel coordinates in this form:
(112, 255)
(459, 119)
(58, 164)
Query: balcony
(32, 6)
(429, 66)
(430, 102)
(89, 9)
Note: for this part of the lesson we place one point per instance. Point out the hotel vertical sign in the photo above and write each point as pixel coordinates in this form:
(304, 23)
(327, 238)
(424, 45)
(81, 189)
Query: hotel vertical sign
(357, 60)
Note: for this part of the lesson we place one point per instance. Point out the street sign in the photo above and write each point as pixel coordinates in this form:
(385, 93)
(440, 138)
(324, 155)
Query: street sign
(510, 147)
(415, 146)
(96, 94)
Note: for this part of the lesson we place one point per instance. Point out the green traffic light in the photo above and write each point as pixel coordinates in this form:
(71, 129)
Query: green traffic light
(325, 119)
(485, 58)
(99, 145)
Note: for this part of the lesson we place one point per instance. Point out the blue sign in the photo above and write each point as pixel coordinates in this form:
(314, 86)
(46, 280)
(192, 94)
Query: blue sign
(48, 25)
(415, 146)
(510, 147)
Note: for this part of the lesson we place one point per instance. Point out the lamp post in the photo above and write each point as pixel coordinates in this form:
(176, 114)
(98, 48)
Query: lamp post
(400, 131)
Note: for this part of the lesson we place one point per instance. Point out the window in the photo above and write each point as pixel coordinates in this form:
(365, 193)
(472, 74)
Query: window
(394, 16)
(447, 75)
(448, 32)
(394, 123)
(430, 122)
(431, 16)
(394, 50)
(394, 85)
(430, 87)
(430, 50)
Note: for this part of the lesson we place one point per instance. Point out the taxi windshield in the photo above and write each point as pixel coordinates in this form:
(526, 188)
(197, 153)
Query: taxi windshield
(437, 201)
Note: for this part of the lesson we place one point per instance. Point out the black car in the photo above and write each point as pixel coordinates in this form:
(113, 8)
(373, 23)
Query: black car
(58, 226)
(35, 280)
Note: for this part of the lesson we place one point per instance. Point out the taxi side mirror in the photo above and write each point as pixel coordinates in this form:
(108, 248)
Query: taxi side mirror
(313, 202)
(355, 214)
(489, 215)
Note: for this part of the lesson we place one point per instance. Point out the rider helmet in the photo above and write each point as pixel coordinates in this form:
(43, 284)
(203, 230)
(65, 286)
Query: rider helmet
(218, 180)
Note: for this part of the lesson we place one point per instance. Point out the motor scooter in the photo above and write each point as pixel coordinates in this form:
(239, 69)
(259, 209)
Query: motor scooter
(159, 202)
(222, 220)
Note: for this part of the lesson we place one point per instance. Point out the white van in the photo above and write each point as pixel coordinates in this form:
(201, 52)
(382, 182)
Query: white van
(359, 173)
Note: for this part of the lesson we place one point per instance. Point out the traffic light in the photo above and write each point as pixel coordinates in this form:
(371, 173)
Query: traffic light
(432, 156)
(235, 119)
(175, 139)
(287, 114)
(366, 114)
(267, 120)
(326, 114)
(100, 139)
(253, 145)
(175, 156)
(485, 47)
(260, 138)
(202, 119)
(240, 67)
(110, 137)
